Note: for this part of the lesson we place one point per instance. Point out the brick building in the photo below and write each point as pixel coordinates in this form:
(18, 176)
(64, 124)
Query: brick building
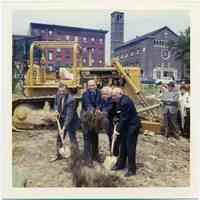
(88, 38)
(149, 51)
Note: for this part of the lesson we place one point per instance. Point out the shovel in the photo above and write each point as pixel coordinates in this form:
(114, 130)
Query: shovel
(63, 150)
(111, 159)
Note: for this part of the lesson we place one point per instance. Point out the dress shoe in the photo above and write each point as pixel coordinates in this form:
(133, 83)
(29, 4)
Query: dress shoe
(177, 136)
(99, 159)
(56, 158)
(89, 164)
(115, 168)
(130, 173)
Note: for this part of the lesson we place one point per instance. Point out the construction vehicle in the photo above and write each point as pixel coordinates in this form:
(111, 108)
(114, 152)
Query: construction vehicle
(40, 86)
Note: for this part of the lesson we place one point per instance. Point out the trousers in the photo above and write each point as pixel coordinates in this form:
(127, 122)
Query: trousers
(127, 149)
(72, 136)
(170, 123)
(91, 143)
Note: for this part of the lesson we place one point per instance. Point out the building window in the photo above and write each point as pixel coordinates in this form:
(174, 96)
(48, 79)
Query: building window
(84, 39)
(84, 49)
(92, 39)
(84, 60)
(160, 43)
(171, 74)
(144, 49)
(93, 61)
(158, 75)
(101, 40)
(50, 55)
(165, 73)
(92, 49)
(165, 33)
(132, 53)
(58, 50)
(121, 57)
(126, 56)
(67, 37)
(68, 57)
(119, 17)
(138, 51)
(166, 64)
(76, 38)
(165, 54)
(100, 61)
(50, 33)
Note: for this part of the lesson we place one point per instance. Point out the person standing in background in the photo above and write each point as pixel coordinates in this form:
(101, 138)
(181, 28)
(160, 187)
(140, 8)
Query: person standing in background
(169, 108)
(187, 112)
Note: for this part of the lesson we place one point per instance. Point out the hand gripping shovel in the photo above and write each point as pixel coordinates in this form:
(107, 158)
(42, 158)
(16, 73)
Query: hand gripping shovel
(111, 159)
(63, 150)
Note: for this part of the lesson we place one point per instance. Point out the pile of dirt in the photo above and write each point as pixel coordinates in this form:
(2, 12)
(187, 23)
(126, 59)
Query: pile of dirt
(160, 162)
(26, 117)
(85, 176)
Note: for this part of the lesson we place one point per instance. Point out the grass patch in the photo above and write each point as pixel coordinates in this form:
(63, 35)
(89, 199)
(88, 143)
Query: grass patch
(151, 89)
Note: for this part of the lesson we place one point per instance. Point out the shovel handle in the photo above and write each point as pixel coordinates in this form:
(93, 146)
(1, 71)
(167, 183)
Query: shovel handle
(114, 137)
(59, 130)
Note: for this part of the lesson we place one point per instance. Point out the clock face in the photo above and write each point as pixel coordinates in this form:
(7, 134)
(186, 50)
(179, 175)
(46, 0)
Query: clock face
(165, 54)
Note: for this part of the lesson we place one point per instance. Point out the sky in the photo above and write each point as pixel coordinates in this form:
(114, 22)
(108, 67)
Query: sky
(136, 23)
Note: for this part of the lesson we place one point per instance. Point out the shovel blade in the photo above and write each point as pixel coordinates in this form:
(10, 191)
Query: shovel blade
(65, 152)
(109, 162)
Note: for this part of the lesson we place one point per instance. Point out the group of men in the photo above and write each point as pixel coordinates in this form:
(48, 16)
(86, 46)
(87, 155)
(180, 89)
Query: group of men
(175, 107)
(115, 105)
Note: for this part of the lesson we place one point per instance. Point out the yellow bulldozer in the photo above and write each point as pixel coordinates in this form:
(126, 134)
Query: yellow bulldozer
(35, 109)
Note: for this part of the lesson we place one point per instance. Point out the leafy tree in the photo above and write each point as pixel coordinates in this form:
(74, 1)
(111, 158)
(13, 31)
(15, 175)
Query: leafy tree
(181, 50)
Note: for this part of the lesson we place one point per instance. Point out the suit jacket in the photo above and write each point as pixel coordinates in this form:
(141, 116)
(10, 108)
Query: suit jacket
(91, 100)
(69, 111)
(128, 116)
(108, 106)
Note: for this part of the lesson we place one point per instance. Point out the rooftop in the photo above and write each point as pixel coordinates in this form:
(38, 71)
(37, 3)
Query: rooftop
(71, 28)
(144, 37)
(117, 12)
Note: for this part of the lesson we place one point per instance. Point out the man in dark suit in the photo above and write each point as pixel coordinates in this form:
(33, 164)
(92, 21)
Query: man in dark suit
(66, 109)
(128, 128)
(90, 105)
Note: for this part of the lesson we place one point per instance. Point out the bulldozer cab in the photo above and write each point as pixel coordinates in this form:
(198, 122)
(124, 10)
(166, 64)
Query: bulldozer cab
(41, 75)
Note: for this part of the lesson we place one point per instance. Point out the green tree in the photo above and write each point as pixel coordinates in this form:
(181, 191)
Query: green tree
(181, 51)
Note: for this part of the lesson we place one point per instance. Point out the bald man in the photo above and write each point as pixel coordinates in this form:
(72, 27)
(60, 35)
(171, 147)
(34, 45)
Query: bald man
(128, 128)
(90, 103)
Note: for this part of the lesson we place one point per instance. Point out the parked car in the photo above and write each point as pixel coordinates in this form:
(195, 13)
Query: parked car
(148, 81)
(163, 81)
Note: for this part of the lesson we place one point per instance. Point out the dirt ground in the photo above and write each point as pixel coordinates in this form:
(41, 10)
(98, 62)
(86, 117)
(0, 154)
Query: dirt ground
(161, 162)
